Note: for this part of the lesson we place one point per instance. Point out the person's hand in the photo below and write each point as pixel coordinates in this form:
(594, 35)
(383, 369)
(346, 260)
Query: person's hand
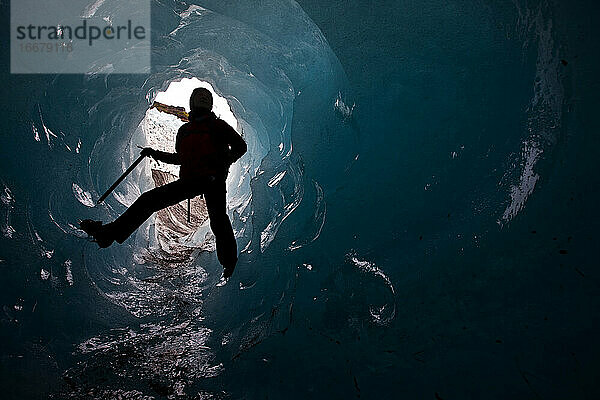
(148, 151)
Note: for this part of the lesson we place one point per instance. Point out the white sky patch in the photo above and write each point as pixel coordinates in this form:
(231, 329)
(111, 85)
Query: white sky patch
(178, 94)
(160, 131)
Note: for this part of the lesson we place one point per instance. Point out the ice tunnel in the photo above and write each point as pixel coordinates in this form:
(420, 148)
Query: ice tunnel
(414, 216)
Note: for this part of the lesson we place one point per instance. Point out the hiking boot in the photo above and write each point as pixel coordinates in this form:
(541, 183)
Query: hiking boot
(228, 271)
(97, 231)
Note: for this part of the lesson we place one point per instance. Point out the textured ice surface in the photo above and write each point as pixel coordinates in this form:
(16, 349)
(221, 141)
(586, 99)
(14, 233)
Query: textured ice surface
(413, 216)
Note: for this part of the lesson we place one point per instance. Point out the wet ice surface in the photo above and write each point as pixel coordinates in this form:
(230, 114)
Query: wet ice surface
(7, 205)
(83, 196)
(166, 356)
(384, 313)
(165, 275)
(544, 110)
(385, 259)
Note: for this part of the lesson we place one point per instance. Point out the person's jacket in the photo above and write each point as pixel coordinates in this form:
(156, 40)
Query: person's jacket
(205, 146)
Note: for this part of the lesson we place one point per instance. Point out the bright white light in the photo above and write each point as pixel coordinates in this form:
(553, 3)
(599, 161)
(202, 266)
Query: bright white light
(160, 129)
(178, 94)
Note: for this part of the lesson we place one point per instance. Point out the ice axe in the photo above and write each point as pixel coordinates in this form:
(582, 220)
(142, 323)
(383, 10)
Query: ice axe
(127, 172)
(114, 185)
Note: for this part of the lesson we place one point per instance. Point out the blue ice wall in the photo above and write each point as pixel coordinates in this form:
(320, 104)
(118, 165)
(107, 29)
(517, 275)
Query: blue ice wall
(416, 214)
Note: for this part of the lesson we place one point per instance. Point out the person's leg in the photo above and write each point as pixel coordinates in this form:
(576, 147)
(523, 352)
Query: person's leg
(215, 196)
(148, 203)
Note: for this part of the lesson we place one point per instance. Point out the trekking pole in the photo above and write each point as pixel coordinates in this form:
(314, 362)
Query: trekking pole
(114, 185)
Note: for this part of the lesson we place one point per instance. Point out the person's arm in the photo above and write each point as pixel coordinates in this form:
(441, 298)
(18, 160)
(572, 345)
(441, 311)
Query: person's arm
(237, 146)
(169, 158)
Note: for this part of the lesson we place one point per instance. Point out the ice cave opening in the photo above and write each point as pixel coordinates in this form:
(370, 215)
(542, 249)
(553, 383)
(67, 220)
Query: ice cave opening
(176, 232)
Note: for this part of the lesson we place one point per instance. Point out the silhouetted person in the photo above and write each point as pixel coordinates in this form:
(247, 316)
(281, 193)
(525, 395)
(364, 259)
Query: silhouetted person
(205, 148)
